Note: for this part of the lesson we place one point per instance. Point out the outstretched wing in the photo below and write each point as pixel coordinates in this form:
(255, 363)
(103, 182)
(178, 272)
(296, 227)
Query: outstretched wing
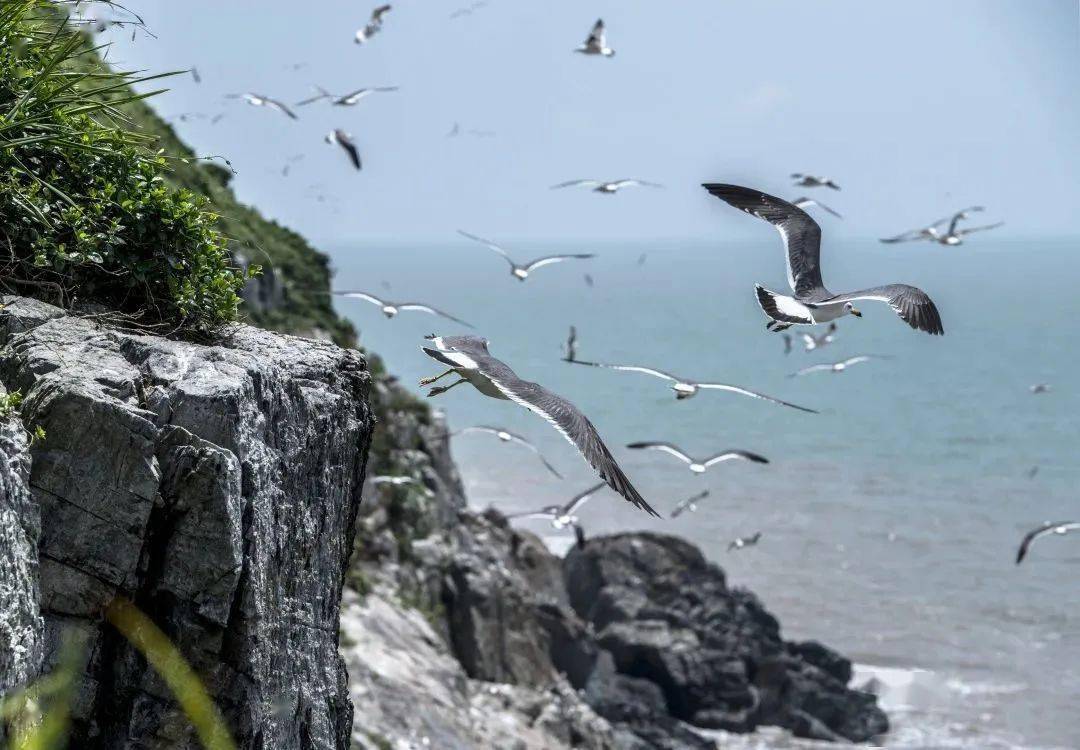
(360, 295)
(735, 455)
(753, 394)
(281, 108)
(983, 228)
(633, 181)
(959, 216)
(548, 260)
(811, 368)
(665, 447)
(582, 498)
(912, 304)
(596, 36)
(575, 183)
(1059, 527)
(631, 368)
(379, 12)
(911, 236)
(801, 234)
(489, 244)
(432, 311)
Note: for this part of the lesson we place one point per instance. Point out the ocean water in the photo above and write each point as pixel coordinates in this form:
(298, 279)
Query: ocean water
(889, 521)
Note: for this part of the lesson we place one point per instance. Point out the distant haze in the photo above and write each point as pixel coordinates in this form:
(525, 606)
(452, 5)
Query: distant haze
(913, 107)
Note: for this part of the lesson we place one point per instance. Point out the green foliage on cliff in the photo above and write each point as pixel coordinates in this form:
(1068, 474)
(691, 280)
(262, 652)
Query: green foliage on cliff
(85, 214)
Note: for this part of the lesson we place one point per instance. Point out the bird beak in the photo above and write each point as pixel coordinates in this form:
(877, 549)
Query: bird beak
(856, 313)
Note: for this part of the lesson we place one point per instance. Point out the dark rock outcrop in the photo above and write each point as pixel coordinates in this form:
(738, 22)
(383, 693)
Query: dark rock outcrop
(214, 486)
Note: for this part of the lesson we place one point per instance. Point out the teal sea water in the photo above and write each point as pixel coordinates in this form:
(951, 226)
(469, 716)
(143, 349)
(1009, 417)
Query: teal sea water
(890, 521)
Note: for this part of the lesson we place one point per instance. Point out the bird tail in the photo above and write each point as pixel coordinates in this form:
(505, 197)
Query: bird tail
(781, 308)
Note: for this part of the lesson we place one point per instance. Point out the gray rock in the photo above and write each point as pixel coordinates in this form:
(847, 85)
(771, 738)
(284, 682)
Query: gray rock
(216, 487)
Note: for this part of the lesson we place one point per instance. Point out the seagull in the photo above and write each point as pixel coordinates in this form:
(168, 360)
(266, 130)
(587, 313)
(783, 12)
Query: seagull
(455, 130)
(807, 202)
(469, 357)
(787, 343)
(1040, 388)
(571, 346)
(1032, 472)
(836, 367)
(743, 542)
(596, 43)
(689, 504)
(812, 342)
(688, 388)
(522, 272)
(343, 139)
(394, 480)
(320, 94)
(508, 437)
(809, 181)
(813, 303)
(353, 98)
(607, 188)
(699, 467)
(374, 26)
(390, 309)
(935, 233)
(589, 280)
(257, 100)
(195, 75)
(562, 516)
(1061, 527)
(469, 9)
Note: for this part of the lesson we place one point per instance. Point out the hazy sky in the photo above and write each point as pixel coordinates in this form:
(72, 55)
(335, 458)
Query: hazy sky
(915, 108)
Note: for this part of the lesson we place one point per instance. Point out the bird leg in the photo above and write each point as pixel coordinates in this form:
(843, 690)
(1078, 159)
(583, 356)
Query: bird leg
(443, 389)
(429, 381)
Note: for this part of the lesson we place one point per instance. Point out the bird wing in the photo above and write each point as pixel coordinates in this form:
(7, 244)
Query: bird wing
(582, 498)
(432, 311)
(735, 455)
(665, 447)
(596, 36)
(568, 420)
(801, 234)
(379, 12)
(804, 202)
(490, 244)
(549, 259)
(515, 438)
(983, 228)
(912, 304)
(346, 142)
(323, 94)
(861, 358)
(1059, 527)
(959, 216)
(533, 514)
(281, 108)
(909, 236)
(682, 505)
(753, 394)
(811, 368)
(575, 183)
(481, 428)
(361, 295)
(632, 368)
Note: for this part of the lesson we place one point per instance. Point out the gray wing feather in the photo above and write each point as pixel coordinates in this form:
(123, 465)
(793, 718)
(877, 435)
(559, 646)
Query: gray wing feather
(912, 304)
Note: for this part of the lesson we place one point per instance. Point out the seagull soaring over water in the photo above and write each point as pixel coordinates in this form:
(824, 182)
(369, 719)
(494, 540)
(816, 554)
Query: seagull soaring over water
(468, 356)
(607, 188)
(373, 26)
(1060, 528)
(571, 346)
(390, 309)
(562, 516)
(809, 181)
(522, 272)
(805, 203)
(813, 303)
(699, 467)
(688, 388)
(596, 43)
(689, 504)
(836, 367)
(343, 139)
(1040, 388)
(951, 236)
(745, 541)
(508, 437)
(258, 100)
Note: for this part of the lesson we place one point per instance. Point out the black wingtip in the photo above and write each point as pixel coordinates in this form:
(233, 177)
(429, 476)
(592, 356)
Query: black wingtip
(757, 458)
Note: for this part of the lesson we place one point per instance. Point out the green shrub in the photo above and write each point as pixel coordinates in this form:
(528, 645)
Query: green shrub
(85, 212)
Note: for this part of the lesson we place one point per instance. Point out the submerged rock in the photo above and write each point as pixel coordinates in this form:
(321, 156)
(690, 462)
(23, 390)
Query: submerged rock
(214, 486)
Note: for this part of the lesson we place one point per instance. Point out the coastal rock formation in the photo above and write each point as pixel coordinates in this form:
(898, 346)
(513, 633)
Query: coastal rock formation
(217, 488)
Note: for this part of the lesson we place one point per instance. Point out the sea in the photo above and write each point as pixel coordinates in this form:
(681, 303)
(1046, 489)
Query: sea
(889, 521)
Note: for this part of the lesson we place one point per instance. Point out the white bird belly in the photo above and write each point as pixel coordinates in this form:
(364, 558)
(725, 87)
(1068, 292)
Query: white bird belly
(483, 384)
(826, 313)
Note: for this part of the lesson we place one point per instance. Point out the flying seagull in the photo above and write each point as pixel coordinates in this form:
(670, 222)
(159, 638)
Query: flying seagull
(787, 343)
(468, 356)
(807, 202)
(836, 367)
(589, 281)
(390, 309)
(937, 232)
(468, 10)
(689, 504)
(373, 26)
(508, 437)
(394, 480)
(607, 188)
(809, 181)
(813, 303)
(687, 388)
(744, 542)
(812, 342)
(699, 467)
(596, 43)
(1061, 528)
(571, 346)
(353, 98)
(258, 100)
(320, 94)
(343, 139)
(522, 272)
(1040, 388)
(562, 516)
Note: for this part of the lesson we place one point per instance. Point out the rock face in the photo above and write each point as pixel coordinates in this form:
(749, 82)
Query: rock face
(215, 487)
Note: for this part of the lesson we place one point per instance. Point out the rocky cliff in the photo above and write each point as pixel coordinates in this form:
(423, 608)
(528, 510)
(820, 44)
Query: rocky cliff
(217, 487)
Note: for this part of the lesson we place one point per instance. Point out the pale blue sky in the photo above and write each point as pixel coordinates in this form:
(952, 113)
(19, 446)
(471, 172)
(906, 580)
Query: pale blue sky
(914, 108)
